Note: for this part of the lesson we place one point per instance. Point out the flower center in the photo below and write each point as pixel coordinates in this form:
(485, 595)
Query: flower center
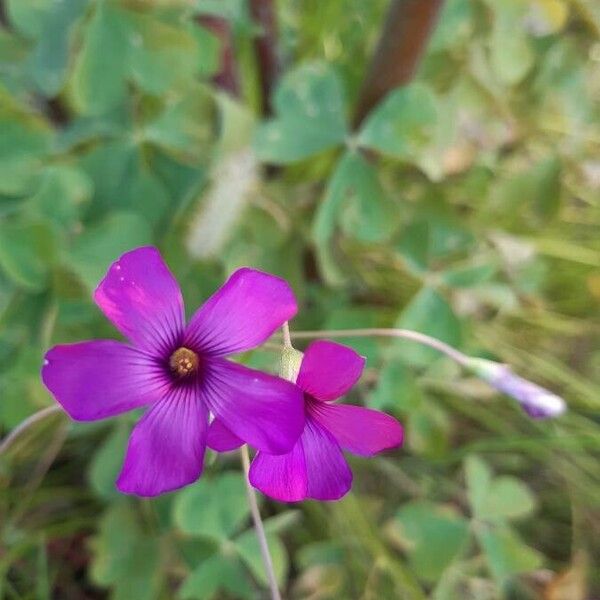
(184, 362)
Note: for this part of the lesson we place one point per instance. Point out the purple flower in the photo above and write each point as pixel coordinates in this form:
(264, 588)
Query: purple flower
(316, 468)
(179, 372)
(536, 401)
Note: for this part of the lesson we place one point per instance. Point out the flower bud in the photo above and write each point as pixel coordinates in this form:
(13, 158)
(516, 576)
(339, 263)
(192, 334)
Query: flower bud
(538, 402)
(289, 365)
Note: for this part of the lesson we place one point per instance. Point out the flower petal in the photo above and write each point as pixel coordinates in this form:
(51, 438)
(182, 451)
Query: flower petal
(102, 378)
(221, 439)
(143, 300)
(329, 476)
(329, 370)
(242, 314)
(281, 477)
(166, 447)
(263, 410)
(363, 431)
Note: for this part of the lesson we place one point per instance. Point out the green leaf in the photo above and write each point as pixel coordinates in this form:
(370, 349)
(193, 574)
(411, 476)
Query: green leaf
(506, 554)
(346, 317)
(249, 550)
(310, 116)
(212, 507)
(161, 57)
(479, 479)
(107, 462)
(510, 54)
(214, 574)
(99, 78)
(537, 188)
(432, 239)
(356, 200)
(183, 126)
(427, 431)
(27, 16)
(429, 313)
(434, 535)
(27, 252)
(496, 499)
(101, 244)
(403, 124)
(469, 275)
(50, 58)
(25, 142)
(125, 557)
(62, 192)
(506, 498)
(396, 389)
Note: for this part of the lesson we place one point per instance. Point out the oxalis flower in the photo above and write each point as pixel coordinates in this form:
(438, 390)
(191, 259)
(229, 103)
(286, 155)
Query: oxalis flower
(178, 371)
(316, 468)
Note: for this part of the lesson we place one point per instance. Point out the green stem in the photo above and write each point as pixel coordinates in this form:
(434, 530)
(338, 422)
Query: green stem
(407, 334)
(259, 527)
(26, 424)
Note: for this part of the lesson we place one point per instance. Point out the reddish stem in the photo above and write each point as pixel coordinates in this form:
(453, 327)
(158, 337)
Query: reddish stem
(264, 15)
(406, 30)
(226, 77)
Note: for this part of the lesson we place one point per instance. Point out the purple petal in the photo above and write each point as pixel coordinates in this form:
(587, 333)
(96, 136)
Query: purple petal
(329, 476)
(242, 314)
(143, 300)
(281, 477)
(359, 430)
(221, 439)
(166, 447)
(265, 411)
(103, 378)
(329, 370)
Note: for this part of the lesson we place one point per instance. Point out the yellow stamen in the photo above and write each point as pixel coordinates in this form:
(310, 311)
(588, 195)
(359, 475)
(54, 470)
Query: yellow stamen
(184, 362)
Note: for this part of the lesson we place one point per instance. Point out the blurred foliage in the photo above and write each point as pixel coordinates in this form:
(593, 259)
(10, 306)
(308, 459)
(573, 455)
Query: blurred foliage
(465, 206)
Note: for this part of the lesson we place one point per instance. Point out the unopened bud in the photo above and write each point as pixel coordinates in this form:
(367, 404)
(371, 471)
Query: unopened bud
(538, 402)
(289, 366)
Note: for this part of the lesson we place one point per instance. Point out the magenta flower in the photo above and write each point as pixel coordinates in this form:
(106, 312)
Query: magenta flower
(178, 371)
(316, 468)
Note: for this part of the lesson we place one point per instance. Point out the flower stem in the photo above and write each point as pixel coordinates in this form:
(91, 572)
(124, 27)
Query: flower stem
(26, 424)
(287, 338)
(407, 334)
(259, 527)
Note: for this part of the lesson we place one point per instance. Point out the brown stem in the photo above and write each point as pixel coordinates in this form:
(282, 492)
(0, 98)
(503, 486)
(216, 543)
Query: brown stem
(264, 14)
(3, 15)
(226, 77)
(407, 28)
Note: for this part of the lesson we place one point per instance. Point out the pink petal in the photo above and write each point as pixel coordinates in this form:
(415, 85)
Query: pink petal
(143, 300)
(242, 314)
(281, 477)
(103, 378)
(329, 476)
(166, 447)
(265, 411)
(359, 430)
(329, 370)
(220, 438)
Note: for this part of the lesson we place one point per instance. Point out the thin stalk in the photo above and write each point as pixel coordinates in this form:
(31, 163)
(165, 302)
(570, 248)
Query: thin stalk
(259, 527)
(26, 424)
(407, 334)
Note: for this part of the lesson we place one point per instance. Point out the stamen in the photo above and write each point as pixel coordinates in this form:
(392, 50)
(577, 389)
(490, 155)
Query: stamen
(184, 362)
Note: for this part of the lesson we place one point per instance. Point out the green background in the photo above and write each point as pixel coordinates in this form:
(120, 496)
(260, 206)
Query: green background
(466, 206)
